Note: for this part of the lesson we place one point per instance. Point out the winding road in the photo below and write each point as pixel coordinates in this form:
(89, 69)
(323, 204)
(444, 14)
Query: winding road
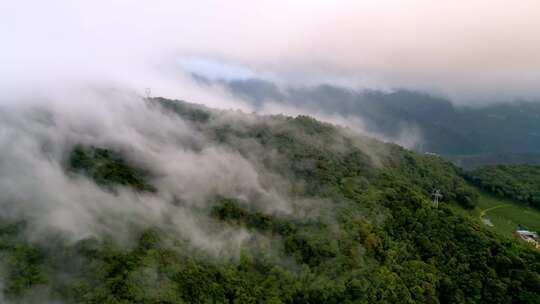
(483, 212)
(487, 221)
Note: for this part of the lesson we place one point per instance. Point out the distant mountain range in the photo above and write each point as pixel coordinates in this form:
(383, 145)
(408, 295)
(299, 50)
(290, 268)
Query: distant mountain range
(469, 136)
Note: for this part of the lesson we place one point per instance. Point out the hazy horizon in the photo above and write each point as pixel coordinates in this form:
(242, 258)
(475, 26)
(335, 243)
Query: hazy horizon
(481, 52)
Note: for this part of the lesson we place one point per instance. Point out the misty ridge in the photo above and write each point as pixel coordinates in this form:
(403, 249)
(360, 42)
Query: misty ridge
(119, 197)
(283, 152)
(190, 154)
(114, 164)
(187, 167)
(468, 135)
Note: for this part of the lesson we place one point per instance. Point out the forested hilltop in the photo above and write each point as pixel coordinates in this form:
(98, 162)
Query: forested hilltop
(518, 182)
(323, 215)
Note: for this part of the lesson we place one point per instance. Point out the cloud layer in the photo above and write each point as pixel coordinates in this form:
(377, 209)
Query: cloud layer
(478, 50)
(37, 137)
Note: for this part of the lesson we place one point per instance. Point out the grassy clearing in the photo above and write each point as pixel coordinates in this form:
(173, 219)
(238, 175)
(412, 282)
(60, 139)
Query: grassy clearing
(506, 215)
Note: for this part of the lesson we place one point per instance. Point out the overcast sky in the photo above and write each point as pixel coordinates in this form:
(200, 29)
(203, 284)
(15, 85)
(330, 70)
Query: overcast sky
(471, 51)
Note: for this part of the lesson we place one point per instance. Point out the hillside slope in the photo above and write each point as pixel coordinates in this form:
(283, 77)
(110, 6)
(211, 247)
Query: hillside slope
(469, 136)
(505, 216)
(517, 182)
(263, 209)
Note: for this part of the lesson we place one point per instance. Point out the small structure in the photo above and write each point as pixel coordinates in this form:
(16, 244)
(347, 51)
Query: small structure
(436, 194)
(528, 236)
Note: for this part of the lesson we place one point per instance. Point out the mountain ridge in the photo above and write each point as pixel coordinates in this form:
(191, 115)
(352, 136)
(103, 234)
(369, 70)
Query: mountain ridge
(466, 135)
(329, 217)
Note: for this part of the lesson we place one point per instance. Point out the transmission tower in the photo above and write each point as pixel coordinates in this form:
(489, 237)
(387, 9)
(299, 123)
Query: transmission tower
(148, 92)
(436, 194)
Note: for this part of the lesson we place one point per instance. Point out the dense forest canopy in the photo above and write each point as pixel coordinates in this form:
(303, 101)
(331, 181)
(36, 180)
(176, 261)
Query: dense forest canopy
(518, 182)
(337, 218)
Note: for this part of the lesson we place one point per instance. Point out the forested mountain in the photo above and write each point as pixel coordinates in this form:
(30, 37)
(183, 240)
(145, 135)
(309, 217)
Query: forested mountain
(469, 136)
(274, 209)
(518, 182)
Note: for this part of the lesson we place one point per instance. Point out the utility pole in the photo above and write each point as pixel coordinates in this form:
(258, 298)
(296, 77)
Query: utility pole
(436, 194)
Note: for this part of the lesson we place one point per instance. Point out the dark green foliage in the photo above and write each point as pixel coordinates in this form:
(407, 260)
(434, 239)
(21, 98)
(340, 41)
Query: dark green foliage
(315, 154)
(229, 210)
(432, 172)
(108, 168)
(518, 182)
(23, 264)
(190, 112)
(469, 265)
(371, 234)
(307, 242)
(25, 271)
